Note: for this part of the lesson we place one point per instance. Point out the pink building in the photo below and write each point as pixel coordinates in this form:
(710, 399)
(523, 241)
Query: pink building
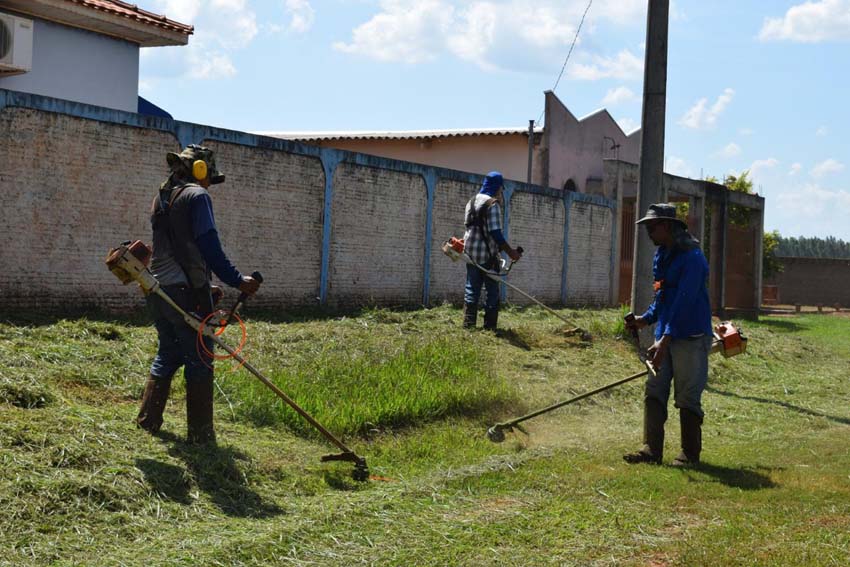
(567, 151)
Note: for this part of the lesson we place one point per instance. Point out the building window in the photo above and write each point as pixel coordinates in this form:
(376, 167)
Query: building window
(570, 185)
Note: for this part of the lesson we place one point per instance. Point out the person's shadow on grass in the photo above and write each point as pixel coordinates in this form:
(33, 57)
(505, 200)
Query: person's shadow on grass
(744, 478)
(216, 473)
(786, 405)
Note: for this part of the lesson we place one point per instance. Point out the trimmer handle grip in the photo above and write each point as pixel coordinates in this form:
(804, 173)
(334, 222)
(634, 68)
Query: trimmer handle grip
(630, 318)
(243, 296)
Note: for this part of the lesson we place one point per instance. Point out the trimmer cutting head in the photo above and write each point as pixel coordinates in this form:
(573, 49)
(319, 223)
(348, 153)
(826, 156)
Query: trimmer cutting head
(496, 434)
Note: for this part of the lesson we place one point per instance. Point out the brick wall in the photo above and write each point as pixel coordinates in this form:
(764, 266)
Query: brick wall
(377, 231)
(76, 180)
(447, 277)
(589, 254)
(537, 224)
(71, 188)
(269, 217)
(810, 281)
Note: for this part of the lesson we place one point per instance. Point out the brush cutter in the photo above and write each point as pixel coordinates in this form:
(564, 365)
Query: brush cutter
(129, 263)
(728, 340)
(454, 249)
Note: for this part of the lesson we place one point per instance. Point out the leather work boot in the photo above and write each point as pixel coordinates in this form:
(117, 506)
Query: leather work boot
(691, 439)
(654, 416)
(199, 411)
(470, 315)
(491, 319)
(153, 403)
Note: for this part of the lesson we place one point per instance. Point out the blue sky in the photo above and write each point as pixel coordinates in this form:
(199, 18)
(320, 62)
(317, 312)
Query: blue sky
(752, 85)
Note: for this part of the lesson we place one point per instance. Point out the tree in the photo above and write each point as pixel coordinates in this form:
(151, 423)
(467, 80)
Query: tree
(771, 265)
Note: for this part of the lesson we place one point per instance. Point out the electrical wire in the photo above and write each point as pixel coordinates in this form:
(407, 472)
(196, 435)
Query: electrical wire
(564, 66)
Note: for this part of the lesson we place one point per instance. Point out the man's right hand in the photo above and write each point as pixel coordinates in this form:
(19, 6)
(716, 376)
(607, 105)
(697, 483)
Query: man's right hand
(249, 285)
(514, 254)
(638, 323)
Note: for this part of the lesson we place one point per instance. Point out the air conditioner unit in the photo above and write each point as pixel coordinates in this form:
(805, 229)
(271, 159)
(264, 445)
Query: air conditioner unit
(15, 45)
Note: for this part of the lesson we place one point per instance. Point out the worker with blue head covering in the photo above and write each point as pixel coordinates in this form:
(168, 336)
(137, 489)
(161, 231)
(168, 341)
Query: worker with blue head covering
(483, 240)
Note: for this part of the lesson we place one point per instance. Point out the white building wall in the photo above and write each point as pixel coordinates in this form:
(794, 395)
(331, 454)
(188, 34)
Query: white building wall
(82, 66)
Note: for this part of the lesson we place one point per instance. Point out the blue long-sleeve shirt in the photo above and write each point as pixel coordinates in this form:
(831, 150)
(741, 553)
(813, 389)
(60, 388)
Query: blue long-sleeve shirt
(681, 306)
(206, 237)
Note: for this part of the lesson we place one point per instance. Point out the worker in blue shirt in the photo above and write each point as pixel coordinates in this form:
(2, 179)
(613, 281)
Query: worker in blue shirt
(186, 249)
(681, 312)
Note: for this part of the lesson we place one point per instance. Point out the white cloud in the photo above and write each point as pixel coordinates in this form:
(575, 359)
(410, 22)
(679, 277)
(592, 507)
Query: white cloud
(730, 150)
(795, 168)
(215, 67)
(746, 131)
(301, 15)
(701, 116)
(618, 95)
(761, 165)
(810, 22)
(822, 131)
(677, 166)
(628, 125)
(221, 27)
(826, 167)
(409, 32)
(625, 66)
(183, 11)
(813, 202)
(514, 34)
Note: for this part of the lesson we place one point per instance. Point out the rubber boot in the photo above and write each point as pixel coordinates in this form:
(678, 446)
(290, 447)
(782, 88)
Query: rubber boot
(199, 411)
(654, 416)
(470, 315)
(491, 319)
(691, 439)
(153, 403)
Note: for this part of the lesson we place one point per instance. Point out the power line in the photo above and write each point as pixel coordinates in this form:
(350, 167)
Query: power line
(572, 45)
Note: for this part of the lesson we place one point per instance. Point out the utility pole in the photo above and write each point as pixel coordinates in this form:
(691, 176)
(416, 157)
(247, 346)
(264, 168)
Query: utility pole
(650, 188)
(530, 149)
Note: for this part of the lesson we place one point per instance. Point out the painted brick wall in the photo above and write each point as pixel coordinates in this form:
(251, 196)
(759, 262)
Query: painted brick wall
(447, 277)
(377, 235)
(71, 188)
(589, 255)
(537, 224)
(810, 281)
(269, 216)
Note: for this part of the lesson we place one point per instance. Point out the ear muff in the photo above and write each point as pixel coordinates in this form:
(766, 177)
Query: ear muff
(199, 169)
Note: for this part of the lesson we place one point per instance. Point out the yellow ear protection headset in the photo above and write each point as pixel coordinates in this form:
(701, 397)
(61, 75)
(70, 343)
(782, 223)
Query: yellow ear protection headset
(199, 169)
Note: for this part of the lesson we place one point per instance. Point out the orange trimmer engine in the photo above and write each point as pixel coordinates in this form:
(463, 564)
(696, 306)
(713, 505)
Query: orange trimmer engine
(728, 340)
(453, 248)
(129, 262)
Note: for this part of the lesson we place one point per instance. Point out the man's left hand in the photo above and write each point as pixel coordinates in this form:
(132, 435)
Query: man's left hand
(658, 351)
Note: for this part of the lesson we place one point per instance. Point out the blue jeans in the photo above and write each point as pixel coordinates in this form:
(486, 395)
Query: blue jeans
(178, 341)
(686, 367)
(472, 291)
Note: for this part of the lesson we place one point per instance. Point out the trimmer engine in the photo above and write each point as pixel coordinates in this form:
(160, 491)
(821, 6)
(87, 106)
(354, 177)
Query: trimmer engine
(129, 262)
(728, 340)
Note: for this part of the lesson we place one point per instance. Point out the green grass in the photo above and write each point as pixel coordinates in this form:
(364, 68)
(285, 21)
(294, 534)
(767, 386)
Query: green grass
(79, 485)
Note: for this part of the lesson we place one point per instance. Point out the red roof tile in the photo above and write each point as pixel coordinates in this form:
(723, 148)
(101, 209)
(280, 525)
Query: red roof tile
(133, 12)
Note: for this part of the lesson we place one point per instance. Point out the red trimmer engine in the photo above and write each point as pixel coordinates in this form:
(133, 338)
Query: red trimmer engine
(728, 340)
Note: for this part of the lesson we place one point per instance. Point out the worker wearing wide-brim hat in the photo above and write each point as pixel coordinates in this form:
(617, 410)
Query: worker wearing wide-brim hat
(681, 312)
(186, 249)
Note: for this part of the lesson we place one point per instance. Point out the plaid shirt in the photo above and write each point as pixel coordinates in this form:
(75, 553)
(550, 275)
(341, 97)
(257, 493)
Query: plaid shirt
(480, 246)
